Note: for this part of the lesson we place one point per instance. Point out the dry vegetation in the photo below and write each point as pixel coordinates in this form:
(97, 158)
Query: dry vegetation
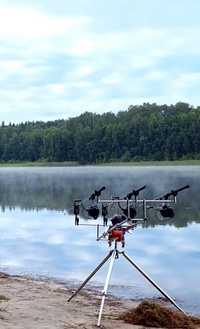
(154, 315)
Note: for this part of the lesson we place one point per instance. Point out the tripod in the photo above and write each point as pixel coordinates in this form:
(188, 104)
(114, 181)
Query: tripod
(113, 255)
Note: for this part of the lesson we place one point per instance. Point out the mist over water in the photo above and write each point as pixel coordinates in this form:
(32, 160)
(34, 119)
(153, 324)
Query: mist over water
(56, 188)
(38, 234)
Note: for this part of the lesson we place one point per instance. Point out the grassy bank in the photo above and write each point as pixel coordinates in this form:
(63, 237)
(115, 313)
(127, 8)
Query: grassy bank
(39, 164)
(154, 163)
(113, 163)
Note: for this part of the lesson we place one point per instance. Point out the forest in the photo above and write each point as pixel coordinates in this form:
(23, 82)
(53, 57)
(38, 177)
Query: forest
(143, 132)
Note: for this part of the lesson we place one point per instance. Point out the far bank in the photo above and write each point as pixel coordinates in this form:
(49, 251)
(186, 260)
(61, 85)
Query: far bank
(112, 163)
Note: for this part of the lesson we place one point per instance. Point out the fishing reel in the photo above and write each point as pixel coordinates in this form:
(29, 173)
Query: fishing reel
(93, 211)
(166, 211)
(130, 211)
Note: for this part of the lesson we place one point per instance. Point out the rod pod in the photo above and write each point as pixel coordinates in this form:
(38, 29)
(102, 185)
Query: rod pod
(113, 255)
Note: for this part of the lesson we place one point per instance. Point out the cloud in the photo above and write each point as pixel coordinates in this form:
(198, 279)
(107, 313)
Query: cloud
(56, 88)
(186, 86)
(187, 80)
(27, 23)
(59, 61)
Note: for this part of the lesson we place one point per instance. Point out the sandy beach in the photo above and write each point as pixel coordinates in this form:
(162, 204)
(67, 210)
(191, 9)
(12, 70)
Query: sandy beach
(27, 303)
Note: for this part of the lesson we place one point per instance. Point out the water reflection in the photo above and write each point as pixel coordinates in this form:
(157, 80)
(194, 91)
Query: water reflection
(38, 236)
(48, 244)
(56, 188)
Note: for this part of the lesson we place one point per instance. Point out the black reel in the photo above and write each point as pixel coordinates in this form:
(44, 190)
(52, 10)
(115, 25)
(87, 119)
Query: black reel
(166, 211)
(131, 212)
(93, 212)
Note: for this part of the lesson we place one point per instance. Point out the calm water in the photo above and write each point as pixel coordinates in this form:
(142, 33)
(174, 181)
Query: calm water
(38, 235)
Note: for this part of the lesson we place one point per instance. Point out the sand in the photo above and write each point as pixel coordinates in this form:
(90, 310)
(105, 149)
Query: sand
(27, 303)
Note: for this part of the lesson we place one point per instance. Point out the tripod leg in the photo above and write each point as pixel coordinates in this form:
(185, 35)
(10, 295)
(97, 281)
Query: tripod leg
(91, 275)
(152, 282)
(106, 287)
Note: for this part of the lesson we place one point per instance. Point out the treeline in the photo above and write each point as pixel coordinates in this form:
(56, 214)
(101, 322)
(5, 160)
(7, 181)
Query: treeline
(145, 132)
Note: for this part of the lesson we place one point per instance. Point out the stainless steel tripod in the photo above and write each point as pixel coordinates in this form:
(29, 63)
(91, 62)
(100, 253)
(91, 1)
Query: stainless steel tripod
(113, 255)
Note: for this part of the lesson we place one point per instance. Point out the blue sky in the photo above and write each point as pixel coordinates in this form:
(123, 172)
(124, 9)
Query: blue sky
(61, 58)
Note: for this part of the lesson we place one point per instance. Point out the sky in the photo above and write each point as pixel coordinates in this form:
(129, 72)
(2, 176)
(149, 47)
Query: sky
(61, 58)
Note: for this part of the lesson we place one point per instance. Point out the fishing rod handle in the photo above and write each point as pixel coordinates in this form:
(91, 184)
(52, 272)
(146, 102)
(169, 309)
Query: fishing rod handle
(141, 188)
(98, 192)
(181, 188)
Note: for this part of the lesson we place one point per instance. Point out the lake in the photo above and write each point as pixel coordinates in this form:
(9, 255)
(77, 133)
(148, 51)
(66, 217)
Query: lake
(38, 235)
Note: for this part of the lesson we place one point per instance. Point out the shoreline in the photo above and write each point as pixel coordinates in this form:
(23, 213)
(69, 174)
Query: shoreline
(106, 164)
(30, 303)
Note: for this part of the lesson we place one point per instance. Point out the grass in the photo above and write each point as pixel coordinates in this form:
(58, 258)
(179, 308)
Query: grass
(154, 163)
(112, 163)
(38, 164)
(150, 314)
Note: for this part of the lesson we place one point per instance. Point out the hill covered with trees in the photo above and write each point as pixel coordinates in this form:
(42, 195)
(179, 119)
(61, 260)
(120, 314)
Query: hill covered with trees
(145, 132)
